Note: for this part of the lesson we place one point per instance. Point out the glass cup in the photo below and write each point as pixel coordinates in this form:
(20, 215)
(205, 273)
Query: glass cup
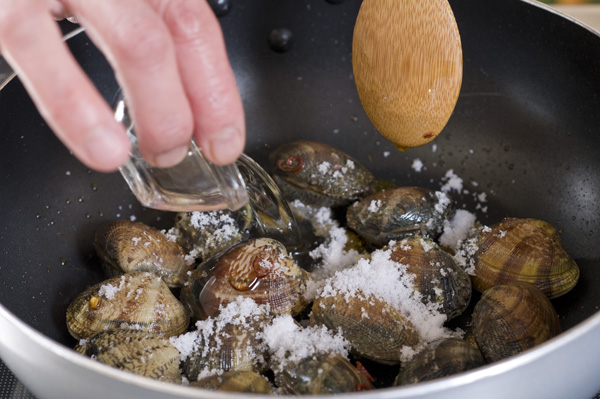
(194, 184)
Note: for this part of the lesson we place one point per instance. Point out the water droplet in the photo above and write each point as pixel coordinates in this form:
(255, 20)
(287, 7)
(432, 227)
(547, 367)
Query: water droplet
(94, 187)
(80, 198)
(220, 7)
(87, 215)
(68, 201)
(281, 40)
(63, 261)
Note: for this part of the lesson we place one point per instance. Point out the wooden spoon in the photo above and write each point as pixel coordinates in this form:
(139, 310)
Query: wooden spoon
(407, 62)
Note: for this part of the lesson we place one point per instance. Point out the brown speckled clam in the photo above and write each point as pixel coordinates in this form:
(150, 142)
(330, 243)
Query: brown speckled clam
(140, 352)
(399, 213)
(136, 300)
(527, 250)
(440, 359)
(322, 373)
(319, 175)
(437, 277)
(235, 381)
(260, 269)
(126, 246)
(375, 329)
(511, 318)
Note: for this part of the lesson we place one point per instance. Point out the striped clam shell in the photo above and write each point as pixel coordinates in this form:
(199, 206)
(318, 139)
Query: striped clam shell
(136, 300)
(235, 381)
(259, 269)
(527, 250)
(127, 246)
(511, 318)
(437, 277)
(440, 359)
(324, 373)
(140, 352)
(375, 329)
(398, 213)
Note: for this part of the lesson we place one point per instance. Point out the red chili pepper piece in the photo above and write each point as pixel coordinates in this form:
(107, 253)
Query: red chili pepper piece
(361, 369)
(361, 387)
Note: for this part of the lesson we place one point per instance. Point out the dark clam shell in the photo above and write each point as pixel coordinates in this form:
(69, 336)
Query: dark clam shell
(321, 374)
(527, 250)
(440, 359)
(399, 213)
(511, 318)
(319, 175)
(438, 278)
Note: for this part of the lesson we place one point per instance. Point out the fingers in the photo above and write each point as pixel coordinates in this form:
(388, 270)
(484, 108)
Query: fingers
(138, 45)
(32, 44)
(219, 126)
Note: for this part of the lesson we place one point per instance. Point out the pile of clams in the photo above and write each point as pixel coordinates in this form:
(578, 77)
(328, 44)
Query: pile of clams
(363, 302)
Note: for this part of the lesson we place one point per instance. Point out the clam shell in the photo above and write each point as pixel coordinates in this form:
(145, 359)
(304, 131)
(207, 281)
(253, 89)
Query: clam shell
(511, 318)
(136, 300)
(321, 374)
(235, 381)
(440, 359)
(232, 347)
(527, 250)
(208, 233)
(437, 277)
(140, 352)
(375, 330)
(133, 246)
(319, 175)
(259, 269)
(398, 213)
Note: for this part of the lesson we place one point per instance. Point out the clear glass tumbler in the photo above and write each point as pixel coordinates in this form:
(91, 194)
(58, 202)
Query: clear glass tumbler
(195, 184)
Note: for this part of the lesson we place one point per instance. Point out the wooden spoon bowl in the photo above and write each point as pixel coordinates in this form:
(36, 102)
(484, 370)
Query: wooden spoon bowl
(407, 62)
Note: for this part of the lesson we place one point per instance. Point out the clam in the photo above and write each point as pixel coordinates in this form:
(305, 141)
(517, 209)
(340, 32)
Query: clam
(229, 341)
(208, 233)
(527, 250)
(440, 359)
(375, 329)
(136, 300)
(259, 269)
(235, 381)
(511, 318)
(399, 213)
(323, 373)
(126, 246)
(319, 175)
(437, 277)
(140, 352)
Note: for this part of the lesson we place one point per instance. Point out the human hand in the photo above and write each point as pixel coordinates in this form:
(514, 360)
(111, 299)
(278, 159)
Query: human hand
(169, 57)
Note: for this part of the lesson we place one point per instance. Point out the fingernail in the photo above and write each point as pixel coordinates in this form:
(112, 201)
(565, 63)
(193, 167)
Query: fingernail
(171, 157)
(225, 146)
(106, 148)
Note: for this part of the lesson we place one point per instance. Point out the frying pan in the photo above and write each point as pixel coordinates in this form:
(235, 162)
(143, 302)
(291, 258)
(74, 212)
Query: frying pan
(524, 132)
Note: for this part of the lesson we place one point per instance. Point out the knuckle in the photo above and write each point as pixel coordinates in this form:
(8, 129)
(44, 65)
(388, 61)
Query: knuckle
(188, 20)
(142, 43)
(170, 132)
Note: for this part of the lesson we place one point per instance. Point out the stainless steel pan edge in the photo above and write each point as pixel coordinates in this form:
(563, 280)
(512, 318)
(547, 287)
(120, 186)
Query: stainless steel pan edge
(564, 367)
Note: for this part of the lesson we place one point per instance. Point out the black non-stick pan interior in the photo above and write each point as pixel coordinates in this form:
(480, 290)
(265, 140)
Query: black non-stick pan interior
(524, 132)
